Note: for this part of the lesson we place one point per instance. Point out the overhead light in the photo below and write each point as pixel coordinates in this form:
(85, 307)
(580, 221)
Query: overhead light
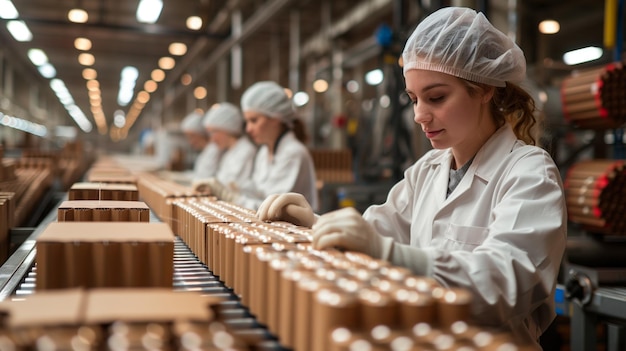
(47, 70)
(194, 22)
(19, 30)
(119, 119)
(150, 86)
(577, 56)
(78, 16)
(166, 63)
(86, 59)
(288, 92)
(352, 86)
(549, 27)
(320, 85)
(143, 97)
(157, 75)
(90, 73)
(64, 96)
(374, 77)
(199, 93)
(82, 44)
(8, 10)
(300, 98)
(148, 11)
(37, 57)
(128, 79)
(185, 79)
(177, 49)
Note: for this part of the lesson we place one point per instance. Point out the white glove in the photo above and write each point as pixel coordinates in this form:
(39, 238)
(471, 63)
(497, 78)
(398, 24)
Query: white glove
(290, 207)
(216, 188)
(201, 185)
(348, 230)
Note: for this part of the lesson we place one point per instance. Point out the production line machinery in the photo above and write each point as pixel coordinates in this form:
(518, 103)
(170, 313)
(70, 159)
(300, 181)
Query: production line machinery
(18, 278)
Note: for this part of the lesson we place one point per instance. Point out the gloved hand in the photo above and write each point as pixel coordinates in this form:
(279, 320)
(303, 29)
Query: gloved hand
(290, 207)
(348, 230)
(201, 185)
(216, 188)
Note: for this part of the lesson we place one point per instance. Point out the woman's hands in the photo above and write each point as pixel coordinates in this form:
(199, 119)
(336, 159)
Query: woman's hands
(348, 230)
(290, 207)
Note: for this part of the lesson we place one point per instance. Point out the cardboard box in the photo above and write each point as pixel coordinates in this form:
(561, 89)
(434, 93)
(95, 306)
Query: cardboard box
(103, 191)
(62, 307)
(103, 211)
(140, 305)
(104, 254)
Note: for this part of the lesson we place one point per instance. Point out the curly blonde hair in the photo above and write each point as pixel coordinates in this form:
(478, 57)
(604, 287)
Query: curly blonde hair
(512, 104)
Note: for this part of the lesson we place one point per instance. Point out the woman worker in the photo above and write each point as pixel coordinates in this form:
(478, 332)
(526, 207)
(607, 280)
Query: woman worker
(207, 161)
(282, 163)
(484, 210)
(224, 123)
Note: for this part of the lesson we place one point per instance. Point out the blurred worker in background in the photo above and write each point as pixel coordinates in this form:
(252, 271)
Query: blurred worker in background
(484, 210)
(283, 163)
(224, 123)
(206, 162)
(208, 159)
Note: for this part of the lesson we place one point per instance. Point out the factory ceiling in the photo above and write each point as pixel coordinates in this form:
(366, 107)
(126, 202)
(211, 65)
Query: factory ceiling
(266, 38)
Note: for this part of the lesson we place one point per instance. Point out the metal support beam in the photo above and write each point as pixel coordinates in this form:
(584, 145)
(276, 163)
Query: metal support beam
(321, 42)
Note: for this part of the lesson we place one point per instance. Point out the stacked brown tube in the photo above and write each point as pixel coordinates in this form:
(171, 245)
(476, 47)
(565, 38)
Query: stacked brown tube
(595, 98)
(103, 191)
(116, 319)
(28, 179)
(160, 194)
(333, 166)
(595, 192)
(302, 294)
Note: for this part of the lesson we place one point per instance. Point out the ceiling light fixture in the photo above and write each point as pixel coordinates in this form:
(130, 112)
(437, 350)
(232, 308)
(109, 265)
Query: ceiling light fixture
(320, 85)
(549, 27)
(194, 22)
(47, 70)
(177, 49)
(300, 98)
(82, 44)
(37, 57)
(86, 59)
(578, 56)
(157, 75)
(374, 77)
(128, 79)
(19, 30)
(166, 63)
(78, 16)
(8, 10)
(199, 92)
(90, 73)
(148, 11)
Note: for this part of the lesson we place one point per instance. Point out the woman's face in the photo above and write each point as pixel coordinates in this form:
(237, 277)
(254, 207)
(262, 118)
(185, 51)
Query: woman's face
(196, 140)
(219, 137)
(449, 116)
(260, 128)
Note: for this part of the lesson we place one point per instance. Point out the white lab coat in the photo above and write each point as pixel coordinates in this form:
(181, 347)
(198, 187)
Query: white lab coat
(501, 233)
(236, 163)
(291, 170)
(207, 162)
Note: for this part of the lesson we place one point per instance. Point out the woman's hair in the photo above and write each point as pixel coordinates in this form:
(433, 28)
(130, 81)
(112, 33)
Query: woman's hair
(299, 129)
(512, 104)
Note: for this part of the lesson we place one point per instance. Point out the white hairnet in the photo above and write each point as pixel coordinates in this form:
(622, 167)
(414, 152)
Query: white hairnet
(225, 116)
(269, 99)
(192, 123)
(461, 42)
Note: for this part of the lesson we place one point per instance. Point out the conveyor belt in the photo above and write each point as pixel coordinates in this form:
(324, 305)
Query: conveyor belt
(18, 278)
(192, 275)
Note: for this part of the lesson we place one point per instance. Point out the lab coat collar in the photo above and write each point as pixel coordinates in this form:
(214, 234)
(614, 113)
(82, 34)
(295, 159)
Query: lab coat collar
(496, 149)
(486, 161)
